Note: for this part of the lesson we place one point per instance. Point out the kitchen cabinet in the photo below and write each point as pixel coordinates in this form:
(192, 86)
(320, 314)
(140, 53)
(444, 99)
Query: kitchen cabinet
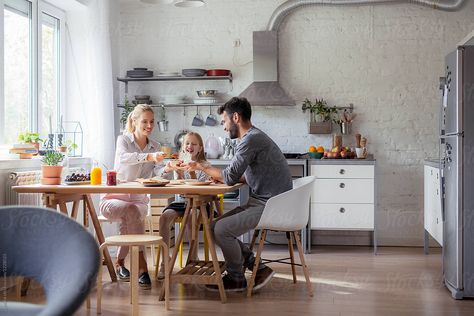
(343, 196)
(433, 221)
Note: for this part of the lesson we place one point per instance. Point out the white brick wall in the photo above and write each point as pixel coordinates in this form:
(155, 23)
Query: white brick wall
(384, 59)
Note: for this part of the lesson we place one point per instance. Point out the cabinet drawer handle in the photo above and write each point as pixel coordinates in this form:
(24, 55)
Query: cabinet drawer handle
(342, 210)
(342, 171)
(342, 185)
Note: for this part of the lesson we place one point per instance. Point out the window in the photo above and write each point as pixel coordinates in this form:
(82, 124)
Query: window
(32, 68)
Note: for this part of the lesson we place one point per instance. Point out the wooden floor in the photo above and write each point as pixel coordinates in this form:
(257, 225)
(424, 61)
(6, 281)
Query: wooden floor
(346, 280)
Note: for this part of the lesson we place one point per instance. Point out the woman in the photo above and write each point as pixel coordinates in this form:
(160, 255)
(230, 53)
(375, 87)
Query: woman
(192, 147)
(135, 157)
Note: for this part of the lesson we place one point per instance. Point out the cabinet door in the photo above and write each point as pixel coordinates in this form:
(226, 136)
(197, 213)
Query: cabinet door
(436, 201)
(342, 216)
(343, 191)
(428, 198)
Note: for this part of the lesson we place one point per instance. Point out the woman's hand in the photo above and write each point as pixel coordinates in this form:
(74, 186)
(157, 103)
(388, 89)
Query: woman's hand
(156, 157)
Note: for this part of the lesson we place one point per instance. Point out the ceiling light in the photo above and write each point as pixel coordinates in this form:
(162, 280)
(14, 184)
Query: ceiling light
(189, 3)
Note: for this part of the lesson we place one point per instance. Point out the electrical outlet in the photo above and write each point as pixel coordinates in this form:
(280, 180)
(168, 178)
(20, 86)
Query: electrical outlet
(236, 43)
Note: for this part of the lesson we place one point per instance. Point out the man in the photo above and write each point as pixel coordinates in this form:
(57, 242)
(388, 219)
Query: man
(260, 163)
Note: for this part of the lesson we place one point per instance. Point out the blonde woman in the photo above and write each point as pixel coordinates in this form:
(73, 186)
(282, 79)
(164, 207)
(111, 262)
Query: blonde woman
(135, 157)
(193, 147)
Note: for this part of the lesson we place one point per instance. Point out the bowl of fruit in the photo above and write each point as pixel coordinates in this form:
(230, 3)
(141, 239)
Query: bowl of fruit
(316, 152)
(78, 178)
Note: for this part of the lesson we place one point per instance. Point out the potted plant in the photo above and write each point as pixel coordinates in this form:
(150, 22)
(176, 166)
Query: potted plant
(51, 170)
(127, 108)
(30, 138)
(321, 116)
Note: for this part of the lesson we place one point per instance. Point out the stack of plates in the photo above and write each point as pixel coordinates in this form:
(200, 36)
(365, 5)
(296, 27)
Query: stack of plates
(139, 73)
(172, 99)
(205, 100)
(194, 72)
(166, 73)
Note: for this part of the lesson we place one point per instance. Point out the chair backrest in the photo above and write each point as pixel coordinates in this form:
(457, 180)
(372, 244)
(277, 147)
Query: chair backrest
(54, 250)
(288, 211)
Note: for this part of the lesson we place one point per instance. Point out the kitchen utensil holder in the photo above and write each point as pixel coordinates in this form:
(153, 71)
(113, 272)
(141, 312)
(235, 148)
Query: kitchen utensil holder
(345, 128)
(163, 126)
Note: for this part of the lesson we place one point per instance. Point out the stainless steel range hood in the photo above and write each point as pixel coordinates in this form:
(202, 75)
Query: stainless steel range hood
(265, 89)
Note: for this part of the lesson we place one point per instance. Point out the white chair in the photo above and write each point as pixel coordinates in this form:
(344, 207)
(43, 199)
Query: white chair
(288, 212)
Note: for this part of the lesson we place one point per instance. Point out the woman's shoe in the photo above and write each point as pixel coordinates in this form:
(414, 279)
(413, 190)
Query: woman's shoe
(123, 274)
(144, 281)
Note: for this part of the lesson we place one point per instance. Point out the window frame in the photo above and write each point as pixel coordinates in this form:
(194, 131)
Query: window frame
(38, 7)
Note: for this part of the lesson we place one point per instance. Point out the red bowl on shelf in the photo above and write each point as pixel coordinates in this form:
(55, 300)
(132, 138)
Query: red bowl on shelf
(218, 72)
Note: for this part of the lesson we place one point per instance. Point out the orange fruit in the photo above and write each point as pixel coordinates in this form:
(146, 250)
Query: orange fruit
(320, 149)
(312, 149)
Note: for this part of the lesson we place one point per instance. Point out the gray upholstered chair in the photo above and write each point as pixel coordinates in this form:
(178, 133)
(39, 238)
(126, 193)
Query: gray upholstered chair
(54, 250)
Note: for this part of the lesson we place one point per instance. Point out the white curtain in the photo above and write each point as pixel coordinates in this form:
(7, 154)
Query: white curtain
(89, 78)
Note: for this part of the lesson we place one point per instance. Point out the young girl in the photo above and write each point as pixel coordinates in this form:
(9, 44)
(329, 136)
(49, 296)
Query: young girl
(193, 147)
(135, 157)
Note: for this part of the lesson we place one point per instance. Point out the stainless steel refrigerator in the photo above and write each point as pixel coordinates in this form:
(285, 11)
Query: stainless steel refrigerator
(457, 172)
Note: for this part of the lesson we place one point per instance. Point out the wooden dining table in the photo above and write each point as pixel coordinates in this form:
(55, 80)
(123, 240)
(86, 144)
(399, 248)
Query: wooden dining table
(198, 198)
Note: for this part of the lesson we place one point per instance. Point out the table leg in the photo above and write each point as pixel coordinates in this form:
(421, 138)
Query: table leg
(85, 211)
(195, 241)
(100, 236)
(212, 250)
(75, 209)
(63, 208)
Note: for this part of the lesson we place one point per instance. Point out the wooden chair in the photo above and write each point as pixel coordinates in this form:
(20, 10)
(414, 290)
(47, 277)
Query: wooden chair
(288, 212)
(134, 241)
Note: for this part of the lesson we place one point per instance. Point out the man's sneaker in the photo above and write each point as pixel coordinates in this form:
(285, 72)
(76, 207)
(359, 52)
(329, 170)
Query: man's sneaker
(262, 278)
(230, 285)
(122, 273)
(144, 281)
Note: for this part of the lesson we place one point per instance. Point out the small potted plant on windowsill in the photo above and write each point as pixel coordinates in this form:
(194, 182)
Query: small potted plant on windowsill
(30, 138)
(321, 116)
(51, 168)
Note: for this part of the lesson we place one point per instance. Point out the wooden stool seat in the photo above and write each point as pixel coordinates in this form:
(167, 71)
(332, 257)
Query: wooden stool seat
(134, 241)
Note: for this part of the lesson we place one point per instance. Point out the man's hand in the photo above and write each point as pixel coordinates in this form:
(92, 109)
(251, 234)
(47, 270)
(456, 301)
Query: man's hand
(192, 166)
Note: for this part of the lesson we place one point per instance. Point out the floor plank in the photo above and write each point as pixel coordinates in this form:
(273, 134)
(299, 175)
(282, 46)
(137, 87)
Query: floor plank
(346, 281)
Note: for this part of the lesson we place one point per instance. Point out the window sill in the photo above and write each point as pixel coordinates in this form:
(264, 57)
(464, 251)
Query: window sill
(9, 164)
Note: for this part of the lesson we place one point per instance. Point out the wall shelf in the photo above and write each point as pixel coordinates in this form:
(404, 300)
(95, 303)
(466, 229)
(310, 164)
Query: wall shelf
(126, 80)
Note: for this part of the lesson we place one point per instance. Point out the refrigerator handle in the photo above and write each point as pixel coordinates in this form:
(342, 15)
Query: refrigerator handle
(441, 197)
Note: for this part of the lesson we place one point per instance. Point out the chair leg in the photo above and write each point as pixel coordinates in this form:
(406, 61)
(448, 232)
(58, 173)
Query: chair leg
(254, 238)
(150, 229)
(157, 261)
(303, 263)
(134, 279)
(167, 274)
(181, 248)
(99, 280)
(257, 262)
(292, 258)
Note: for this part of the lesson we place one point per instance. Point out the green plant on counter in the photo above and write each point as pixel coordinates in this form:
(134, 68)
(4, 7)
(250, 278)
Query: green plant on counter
(127, 108)
(320, 111)
(52, 158)
(28, 137)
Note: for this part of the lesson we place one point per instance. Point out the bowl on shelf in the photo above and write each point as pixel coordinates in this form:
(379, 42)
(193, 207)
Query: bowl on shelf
(193, 72)
(315, 155)
(218, 72)
(206, 93)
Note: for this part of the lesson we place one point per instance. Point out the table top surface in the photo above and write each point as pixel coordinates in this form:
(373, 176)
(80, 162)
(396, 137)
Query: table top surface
(130, 188)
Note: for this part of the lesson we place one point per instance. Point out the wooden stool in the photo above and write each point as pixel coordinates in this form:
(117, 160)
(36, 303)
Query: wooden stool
(179, 220)
(134, 241)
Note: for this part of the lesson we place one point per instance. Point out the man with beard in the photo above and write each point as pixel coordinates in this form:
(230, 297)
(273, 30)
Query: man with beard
(260, 163)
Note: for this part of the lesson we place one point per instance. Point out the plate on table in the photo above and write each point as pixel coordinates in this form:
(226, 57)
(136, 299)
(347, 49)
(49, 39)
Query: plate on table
(153, 182)
(76, 182)
(196, 182)
(177, 182)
